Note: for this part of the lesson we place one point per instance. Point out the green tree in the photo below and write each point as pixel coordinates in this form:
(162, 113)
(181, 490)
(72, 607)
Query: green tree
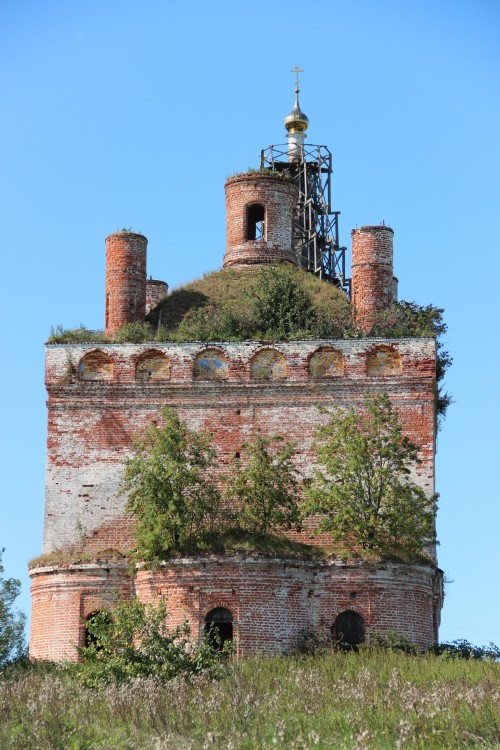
(169, 487)
(363, 487)
(283, 306)
(12, 622)
(134, 641)
(265, 486)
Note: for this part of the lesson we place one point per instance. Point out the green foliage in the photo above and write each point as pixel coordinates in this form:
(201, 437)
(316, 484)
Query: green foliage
(234, 306)
(278, 301)
(283, 306)
(215, 323)
(12, 645)
(265, 486)
(392, 641)
(134, 641)
(235, 540)
(405, 319)
(463, 649)
(169, 487)
(267, 171)
(135, 333)
(363, 487)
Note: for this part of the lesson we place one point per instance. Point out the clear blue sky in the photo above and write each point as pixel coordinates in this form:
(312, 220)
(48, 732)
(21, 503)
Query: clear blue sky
(127, 114)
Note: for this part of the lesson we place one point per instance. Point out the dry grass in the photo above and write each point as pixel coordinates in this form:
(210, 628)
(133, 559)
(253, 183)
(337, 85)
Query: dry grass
(337, 701)
(74, 555)
(228, 542)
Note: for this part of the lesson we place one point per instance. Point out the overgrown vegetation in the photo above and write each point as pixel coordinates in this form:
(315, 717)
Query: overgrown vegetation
(265, 488)
(172, 492)
(283, 174)
(170, 487)
(363, 486)
(362, 489)
(12, 645)
(371, 700)
(134, 641)
(272, 303)
(227, 306)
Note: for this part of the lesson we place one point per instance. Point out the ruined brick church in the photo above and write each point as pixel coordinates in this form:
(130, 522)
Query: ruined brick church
(102, 394)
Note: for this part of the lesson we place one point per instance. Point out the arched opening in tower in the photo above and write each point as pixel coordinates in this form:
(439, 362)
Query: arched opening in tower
(349, 629)
(256, 214)
(219, 626)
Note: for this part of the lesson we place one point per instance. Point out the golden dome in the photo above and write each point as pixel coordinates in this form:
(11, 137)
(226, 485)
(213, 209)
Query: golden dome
(296, 121)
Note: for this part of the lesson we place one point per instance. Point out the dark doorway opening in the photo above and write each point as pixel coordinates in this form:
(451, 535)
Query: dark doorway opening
(349, 629)
(219, 626)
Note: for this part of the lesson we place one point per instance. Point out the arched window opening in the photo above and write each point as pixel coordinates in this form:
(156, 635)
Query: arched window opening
(349, 629)
(256, 215)
(95, 365)
(383, 361)
(91, 638)
(219, 626)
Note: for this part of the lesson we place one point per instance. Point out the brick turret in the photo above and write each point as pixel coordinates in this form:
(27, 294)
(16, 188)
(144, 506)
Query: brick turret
(373, 282)
(259, 220)
(155, 291)
(125, 279)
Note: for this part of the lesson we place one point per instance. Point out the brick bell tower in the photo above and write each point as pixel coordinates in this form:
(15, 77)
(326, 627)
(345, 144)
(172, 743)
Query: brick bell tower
(259, 220)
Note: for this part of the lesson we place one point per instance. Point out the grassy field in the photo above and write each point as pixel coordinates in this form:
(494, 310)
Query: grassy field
(373, 699)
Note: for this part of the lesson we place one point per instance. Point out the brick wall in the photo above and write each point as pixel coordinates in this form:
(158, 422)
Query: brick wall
(91, 424)
(279, 198)
(62, 597)
(155, 292)
(273, 603)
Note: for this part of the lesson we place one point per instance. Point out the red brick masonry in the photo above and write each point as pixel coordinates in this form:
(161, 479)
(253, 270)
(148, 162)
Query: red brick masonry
(274, 602)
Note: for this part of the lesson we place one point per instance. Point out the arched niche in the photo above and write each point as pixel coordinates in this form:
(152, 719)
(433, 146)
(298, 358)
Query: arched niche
(383, 360)
(219, 626)
(326, 363)
(210, 364)
(152, 366)
(268, 364)
(349, 629)
(96, 365)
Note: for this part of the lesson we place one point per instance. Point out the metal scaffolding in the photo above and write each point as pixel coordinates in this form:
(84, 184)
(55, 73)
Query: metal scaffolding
(316, 226)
